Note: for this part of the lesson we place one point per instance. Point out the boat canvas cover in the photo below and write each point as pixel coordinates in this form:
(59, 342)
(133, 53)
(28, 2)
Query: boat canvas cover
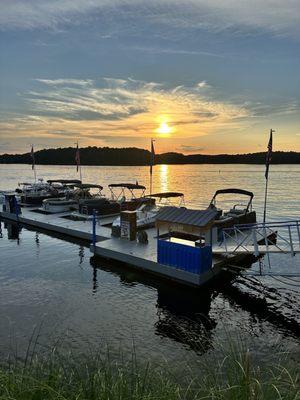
(184, 216)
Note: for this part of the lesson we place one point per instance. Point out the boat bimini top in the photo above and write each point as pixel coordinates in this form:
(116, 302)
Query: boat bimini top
(64, 181)
(82, 191)
(87, 186)
(131, 187)
(168, 196)
(234, 191)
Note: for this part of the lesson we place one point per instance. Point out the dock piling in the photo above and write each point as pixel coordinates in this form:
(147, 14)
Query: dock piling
(94, 222)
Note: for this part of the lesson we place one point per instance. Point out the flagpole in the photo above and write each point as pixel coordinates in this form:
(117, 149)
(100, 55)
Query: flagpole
(151, 164)
(34, 171)
(80, 173)
(33, 163)
(265, 205)
(269, 155)
(151, 169)
(78, 161)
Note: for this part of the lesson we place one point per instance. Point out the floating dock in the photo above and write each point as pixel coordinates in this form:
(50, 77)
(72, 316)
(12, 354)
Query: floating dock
(138, 255)
(144, 257)
(193, 263)
(60, 223)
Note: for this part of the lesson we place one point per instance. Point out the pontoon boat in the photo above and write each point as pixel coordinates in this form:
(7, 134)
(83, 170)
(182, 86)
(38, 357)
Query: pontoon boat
(35, 193)
(147, 211)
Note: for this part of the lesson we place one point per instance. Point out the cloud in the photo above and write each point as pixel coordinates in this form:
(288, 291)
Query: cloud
(202, 84)
(281, 107)
(190, 149)
(63, 82)
(236, 16)
(119, 99)
(116, 108)
(167, 50)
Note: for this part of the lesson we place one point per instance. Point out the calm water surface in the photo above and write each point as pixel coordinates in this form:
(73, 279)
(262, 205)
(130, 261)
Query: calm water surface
(52, 284)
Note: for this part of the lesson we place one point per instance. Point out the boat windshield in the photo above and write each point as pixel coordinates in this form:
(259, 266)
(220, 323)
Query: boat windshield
(233, 200)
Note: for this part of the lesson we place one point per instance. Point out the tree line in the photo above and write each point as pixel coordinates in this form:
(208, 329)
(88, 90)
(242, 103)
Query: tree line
(135, 156)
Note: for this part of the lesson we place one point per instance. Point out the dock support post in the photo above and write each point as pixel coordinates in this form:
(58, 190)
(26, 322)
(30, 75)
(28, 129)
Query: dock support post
(291, 242)
(267, 245)
(224, 240)
(16, 208)
(94, 228)
(255, 244)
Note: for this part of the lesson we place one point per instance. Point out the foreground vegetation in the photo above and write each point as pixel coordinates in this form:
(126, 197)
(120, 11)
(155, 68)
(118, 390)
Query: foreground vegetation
(94, 377)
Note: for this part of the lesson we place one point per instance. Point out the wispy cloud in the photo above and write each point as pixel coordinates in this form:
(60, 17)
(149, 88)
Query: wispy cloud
(168, 50)
(190, 149)
(281, 107)
(120, 107)
(110, 111)
(273, 16)
(63, 82)
(120, 99)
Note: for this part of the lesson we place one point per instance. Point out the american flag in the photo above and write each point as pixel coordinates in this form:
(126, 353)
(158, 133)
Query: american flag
(77, 157)
(152, 156)
(32, 157)
(269, 153)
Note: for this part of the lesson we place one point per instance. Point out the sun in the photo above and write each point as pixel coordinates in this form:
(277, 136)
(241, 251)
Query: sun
(164, 129)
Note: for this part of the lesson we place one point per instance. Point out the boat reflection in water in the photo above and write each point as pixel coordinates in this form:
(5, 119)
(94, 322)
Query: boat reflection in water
(183, 313)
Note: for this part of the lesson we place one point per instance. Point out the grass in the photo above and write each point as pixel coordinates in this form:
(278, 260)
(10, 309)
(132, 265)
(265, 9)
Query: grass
(57, 376)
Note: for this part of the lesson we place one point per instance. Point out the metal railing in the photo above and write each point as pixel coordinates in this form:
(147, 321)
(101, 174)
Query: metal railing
(261, 238)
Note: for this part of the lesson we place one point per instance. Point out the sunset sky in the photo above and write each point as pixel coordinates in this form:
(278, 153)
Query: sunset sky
(199, 76)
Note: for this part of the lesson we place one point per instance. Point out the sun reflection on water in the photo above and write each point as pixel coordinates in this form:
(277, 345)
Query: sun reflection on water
(163, 178)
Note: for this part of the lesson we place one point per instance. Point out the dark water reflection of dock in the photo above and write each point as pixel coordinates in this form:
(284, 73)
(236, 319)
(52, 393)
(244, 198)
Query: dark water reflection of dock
(183, 315)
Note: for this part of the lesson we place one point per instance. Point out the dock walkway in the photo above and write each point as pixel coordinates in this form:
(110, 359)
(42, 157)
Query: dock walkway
(238, 243)
(138, 255)
(58, 223)
(144, 256)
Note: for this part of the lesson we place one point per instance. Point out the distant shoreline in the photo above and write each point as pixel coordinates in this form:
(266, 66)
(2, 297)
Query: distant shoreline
(147, 165)
(131, 156)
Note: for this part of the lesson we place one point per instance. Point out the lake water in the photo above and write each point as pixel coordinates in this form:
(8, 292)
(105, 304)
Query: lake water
(51, 284)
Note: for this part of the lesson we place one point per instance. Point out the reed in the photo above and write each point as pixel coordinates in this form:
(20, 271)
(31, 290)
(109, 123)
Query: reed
(94, 376)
